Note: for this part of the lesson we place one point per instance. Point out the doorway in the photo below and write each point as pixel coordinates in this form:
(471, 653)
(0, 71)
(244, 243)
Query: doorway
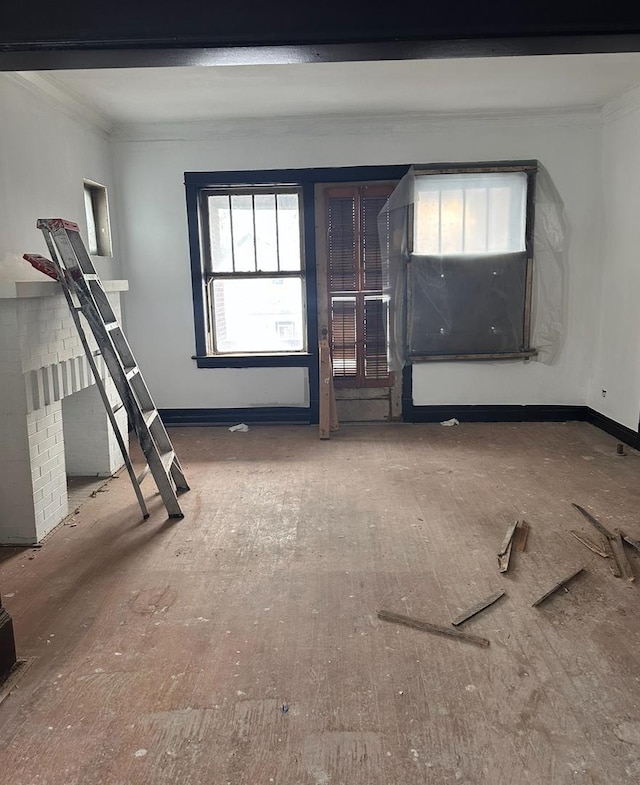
(353, 310)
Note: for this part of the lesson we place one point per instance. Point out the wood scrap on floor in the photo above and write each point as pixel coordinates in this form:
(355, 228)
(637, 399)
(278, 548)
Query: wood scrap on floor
(635, 544)
(504, 554)
(594, 521)
(620, 556)
(560, 585)
(475, 609)
(613, 564)
(599, 550)
(522, 532)
(425, 626)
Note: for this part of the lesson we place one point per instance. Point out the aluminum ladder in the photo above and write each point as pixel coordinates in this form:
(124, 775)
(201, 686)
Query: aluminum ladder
(71, 265)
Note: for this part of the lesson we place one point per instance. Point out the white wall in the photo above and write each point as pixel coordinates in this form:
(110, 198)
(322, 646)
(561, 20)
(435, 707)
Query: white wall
(150, 162)
(45, 153)
(616, 360)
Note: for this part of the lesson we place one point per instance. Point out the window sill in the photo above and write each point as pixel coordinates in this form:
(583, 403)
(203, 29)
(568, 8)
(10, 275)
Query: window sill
(283, 360)
(430, 358)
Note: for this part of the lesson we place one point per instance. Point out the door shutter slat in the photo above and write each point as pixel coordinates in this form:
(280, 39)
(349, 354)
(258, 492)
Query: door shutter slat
(371, 252)
(343, 337)
(375, 338)
(341, 244)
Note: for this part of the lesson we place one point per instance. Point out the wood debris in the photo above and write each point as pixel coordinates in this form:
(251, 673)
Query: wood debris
(504, 554)
(620, 556)
(599, 550)
(560, 585)
(594, 522)
(433, 628)
(635, 544)
(479, 606)
(522, 532)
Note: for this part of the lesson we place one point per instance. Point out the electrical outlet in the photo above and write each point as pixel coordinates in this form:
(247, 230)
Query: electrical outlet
(604, 393)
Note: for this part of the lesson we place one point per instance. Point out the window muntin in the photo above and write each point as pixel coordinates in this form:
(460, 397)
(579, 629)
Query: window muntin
(253, 259)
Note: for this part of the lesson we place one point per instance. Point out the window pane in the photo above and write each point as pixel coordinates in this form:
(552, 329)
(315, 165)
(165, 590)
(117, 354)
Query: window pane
(470, 213)
(244, 252)
(289, 231)
(258, 314)
(220, 234)
(266, 232)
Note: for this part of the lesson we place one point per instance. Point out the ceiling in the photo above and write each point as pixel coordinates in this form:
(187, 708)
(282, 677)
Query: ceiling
(174, 94)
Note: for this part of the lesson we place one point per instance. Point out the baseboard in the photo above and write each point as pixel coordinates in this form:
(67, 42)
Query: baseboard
(496, 413)
(271, 415)
(259, 415)
(621, 432)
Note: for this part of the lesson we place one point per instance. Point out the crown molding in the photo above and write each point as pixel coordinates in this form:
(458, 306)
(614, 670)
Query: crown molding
(61, 98)
(321, 124)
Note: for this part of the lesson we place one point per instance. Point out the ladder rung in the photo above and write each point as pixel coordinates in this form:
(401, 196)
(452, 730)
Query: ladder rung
(150, 416)
(131, 372)
(143, 474)
(112, 326)
(117, 408)
(167, 459)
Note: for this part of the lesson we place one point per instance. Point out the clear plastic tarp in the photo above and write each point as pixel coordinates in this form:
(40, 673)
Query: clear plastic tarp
(457, 272)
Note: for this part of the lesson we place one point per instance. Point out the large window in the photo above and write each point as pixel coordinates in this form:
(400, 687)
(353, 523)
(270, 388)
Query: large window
(469, 277)
(253, 262)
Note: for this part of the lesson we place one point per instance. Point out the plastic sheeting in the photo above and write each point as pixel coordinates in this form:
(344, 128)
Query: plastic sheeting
(470, 303)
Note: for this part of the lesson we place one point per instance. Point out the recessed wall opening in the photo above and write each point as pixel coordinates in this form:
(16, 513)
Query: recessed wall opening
(96, 207)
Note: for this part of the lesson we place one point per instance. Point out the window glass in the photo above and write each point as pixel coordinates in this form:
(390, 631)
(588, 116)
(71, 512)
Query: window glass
(258, 314)
(470, 213)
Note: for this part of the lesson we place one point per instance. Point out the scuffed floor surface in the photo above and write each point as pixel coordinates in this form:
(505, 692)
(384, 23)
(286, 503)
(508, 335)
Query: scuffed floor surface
(241, 645)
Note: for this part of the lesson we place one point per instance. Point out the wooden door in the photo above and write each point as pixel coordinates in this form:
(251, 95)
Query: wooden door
(353, 308)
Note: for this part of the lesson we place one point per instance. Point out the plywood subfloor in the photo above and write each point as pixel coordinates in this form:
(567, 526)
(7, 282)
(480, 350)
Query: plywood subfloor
(241, 645)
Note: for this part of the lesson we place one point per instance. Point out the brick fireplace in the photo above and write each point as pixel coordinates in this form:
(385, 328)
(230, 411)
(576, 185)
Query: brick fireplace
(53, 423)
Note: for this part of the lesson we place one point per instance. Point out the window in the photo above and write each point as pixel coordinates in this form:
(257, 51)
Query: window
(469, 276)
(253, 270)
(96, 210)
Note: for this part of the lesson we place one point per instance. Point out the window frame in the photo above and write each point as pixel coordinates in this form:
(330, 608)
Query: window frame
(530, 168)
(306, 179)
(211, 275)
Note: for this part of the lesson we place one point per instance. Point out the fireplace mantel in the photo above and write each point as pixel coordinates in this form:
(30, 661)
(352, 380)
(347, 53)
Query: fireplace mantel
(18, 289)
(53, 422)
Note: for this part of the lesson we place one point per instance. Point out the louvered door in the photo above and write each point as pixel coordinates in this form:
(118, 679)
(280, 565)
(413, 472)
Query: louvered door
(358, 310)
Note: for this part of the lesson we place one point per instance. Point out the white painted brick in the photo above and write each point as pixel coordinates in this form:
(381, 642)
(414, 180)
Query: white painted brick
(42, 482)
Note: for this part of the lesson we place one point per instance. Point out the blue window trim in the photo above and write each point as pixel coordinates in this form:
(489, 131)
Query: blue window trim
(306, 179)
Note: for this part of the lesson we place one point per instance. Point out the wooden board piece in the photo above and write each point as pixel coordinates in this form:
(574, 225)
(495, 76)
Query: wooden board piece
(325, 390)
(479, 606)
(635, 544)
(560, 585)
(620, 556)
(508, 538)
(426, 626)
(522, 533)
(504, 559)
(590, 544)
(594, 521)
(613, 564)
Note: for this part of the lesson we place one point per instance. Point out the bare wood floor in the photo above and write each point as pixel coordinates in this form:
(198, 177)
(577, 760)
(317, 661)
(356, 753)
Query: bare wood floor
(241, 645)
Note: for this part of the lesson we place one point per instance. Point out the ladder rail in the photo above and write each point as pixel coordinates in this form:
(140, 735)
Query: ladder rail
(80, 282)
(101, 388)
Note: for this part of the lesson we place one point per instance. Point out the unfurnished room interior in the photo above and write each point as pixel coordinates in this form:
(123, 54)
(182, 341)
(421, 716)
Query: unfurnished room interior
(320, 398)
